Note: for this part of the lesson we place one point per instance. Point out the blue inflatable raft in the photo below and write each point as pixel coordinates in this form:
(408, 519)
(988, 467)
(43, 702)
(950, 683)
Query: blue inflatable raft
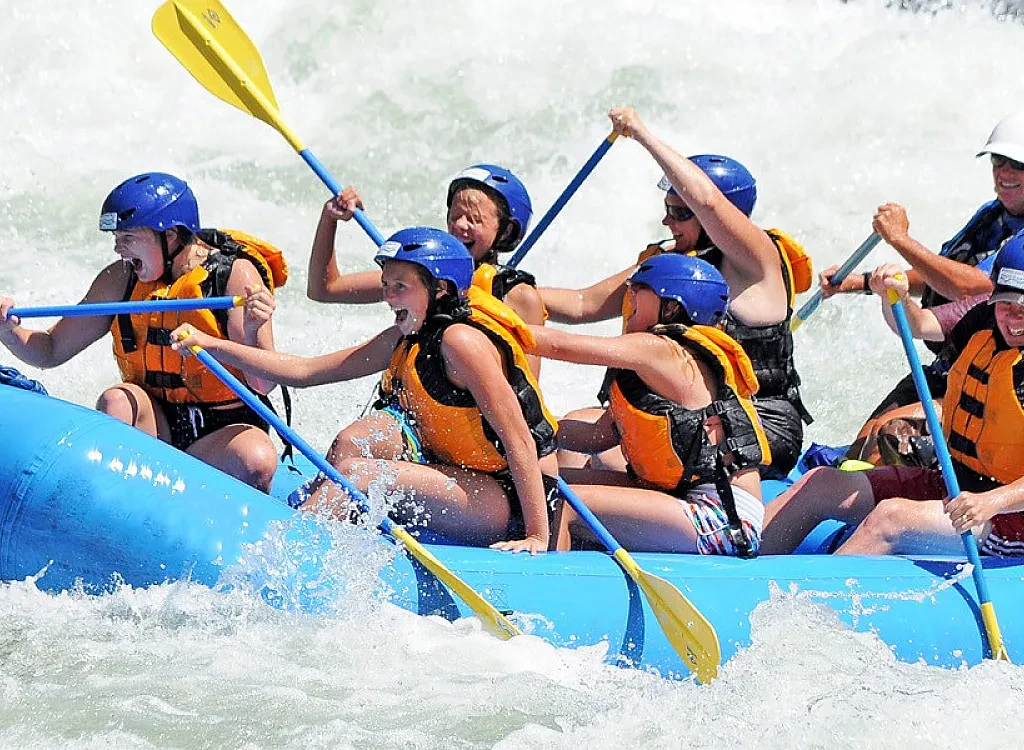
(94, 503)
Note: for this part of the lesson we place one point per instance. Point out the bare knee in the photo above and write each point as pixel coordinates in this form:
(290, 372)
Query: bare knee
(888, 522)
(819, 479)
(358, 471)
(344, 448)
(120, 404)
(257, 465)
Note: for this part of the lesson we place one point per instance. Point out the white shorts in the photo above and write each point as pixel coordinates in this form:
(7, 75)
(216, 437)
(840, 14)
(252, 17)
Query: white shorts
(704, 509)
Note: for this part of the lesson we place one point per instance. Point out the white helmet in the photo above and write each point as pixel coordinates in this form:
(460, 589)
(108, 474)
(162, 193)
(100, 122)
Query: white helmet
(1007, 138)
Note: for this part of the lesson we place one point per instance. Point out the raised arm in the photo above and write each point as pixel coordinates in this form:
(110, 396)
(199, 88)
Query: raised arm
(950, 278)
(600, 301)
(472, 362)
(325, 282)
(743, 243)
(68, 336)
(291, 369)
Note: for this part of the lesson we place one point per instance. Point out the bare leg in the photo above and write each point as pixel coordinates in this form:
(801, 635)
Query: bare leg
(466, 505)
(640, 520)
(132, 405)
(578, 459)
(243, 451)
(902, 526)
(609, 460)
(376, 435)
(598, 476)
(821, 494)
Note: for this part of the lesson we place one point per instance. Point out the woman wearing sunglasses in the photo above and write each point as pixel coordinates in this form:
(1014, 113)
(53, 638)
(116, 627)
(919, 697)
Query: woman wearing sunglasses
(958, 272)
(708, 202)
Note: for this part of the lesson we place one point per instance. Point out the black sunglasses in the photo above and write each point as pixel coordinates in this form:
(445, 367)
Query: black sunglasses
(999, 160)
(678, 213)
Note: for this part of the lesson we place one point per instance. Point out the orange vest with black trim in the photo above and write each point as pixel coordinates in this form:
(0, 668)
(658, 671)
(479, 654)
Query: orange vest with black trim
(498, 281)
(667, 444)
(446, 418)
(983, 420)
(982, 414)
(770, 347)
(142, 344)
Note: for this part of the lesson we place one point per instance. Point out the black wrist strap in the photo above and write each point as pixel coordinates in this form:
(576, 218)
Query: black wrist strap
(867, 282)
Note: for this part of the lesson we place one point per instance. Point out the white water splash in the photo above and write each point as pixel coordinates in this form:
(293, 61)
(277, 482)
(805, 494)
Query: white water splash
(835, 106)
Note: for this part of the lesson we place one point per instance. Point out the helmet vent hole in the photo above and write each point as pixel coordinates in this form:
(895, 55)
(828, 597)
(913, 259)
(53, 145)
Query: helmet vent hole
(142, 178)
(126, 214)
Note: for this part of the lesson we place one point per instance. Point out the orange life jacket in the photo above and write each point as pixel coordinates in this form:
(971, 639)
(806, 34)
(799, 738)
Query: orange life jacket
(142, 343)
(498, 281)
(983, 420)
(667, 444)
(446, 418)
(769, 347)
(982, 413)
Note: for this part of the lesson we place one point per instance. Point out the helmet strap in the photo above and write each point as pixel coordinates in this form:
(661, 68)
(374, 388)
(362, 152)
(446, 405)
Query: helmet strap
(168, 255)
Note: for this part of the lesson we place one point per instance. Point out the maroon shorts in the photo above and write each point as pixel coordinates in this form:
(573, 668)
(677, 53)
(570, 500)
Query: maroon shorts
(911, 482)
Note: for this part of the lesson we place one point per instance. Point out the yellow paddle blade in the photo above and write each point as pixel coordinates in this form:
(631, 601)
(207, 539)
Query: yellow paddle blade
(493, 621)
(995, 638)
(211, 46)
(689, 632)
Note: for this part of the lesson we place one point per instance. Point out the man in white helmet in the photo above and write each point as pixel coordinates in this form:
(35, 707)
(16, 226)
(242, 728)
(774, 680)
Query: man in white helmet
(959, 272)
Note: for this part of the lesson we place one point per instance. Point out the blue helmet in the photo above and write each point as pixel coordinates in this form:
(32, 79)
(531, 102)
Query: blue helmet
(693, 283)
(1008, 271)
(154, 200)
(729, 176)
(507, 187)
(443, 256)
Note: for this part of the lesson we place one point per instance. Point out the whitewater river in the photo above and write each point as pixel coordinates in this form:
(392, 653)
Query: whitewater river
(834, 106)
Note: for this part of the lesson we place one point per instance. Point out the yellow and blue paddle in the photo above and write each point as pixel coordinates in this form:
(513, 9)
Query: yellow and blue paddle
(689, 632)
(562, 199)
(204, 38)
(140, 307)
(988, 612)
(808, 308)
(493, 621)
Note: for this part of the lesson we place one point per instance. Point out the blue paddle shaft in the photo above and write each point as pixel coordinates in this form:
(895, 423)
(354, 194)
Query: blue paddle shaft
(559, 204)
(360, 216)
(140, 307)
(840, 275)
(939, 439)
(588, 515)
(250, 399)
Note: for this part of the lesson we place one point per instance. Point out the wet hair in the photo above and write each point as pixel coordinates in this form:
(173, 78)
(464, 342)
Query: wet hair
(448, 302)
(671, 311)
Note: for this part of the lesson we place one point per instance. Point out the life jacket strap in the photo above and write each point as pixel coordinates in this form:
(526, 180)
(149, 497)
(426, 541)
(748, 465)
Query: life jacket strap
(744, 549)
